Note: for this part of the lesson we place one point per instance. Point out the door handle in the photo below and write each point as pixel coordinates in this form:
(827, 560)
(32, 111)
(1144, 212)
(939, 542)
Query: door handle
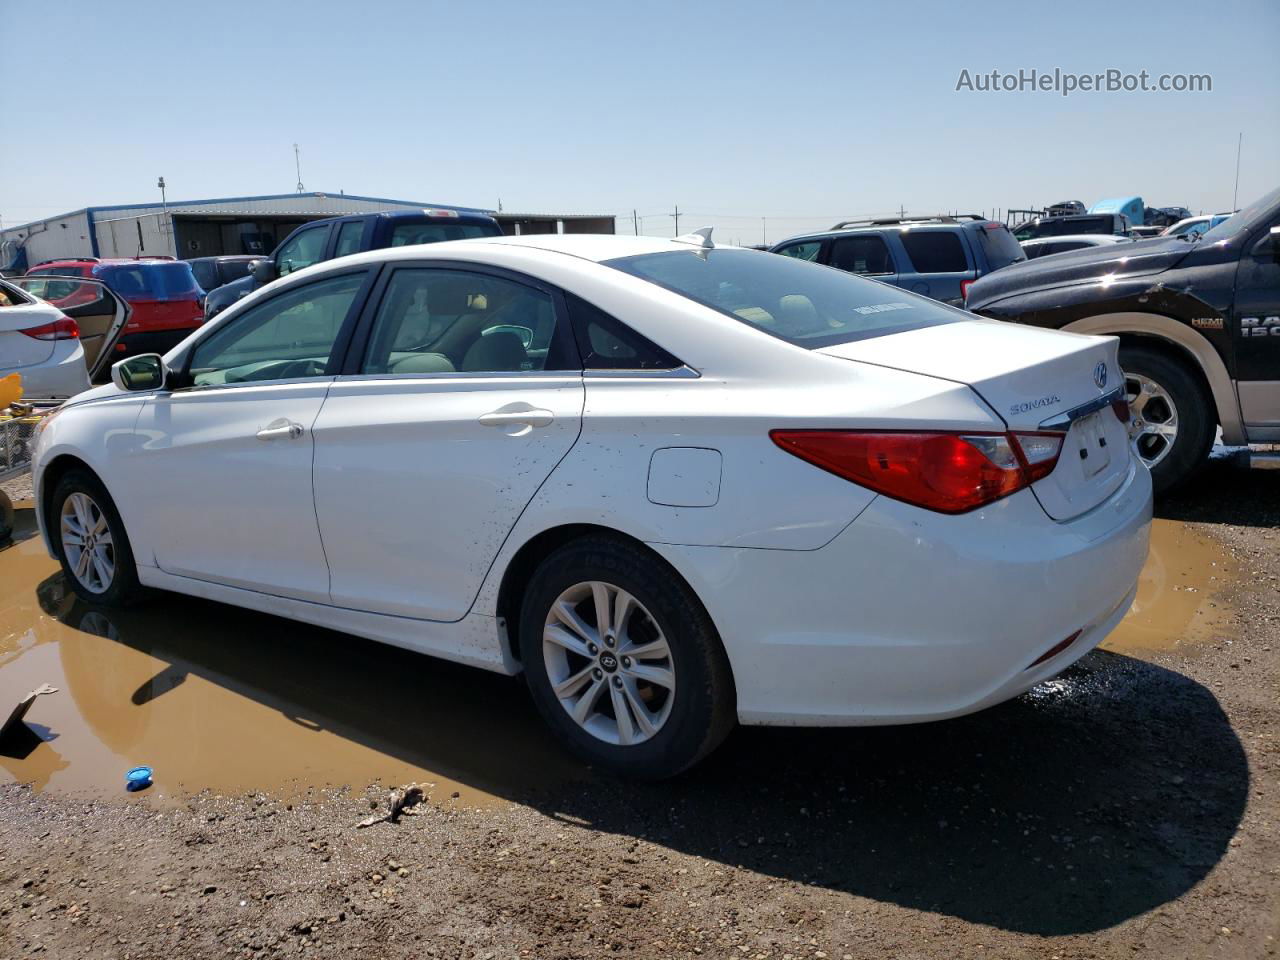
(532, 417)
(280, 430)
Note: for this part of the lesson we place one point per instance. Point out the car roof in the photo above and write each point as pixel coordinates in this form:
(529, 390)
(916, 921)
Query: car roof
(901, 226)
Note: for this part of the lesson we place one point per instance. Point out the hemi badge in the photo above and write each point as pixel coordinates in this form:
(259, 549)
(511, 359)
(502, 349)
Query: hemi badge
(1207, 323)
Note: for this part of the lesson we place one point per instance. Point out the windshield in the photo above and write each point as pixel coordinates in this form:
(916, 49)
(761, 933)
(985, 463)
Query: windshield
(1243, 220)
(149, 281)
(434, 231)
(794, 300)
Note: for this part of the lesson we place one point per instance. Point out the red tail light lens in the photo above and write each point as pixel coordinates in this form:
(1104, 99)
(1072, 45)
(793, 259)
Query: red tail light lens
(63, 328)
(946, 472)
(964, 289)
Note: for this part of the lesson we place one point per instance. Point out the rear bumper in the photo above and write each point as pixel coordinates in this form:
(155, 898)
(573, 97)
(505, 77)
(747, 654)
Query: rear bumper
(60, 377)
(909, 616)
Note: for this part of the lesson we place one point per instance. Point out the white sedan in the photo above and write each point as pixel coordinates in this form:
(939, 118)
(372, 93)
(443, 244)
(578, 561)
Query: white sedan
(40, 344)
(676, 485)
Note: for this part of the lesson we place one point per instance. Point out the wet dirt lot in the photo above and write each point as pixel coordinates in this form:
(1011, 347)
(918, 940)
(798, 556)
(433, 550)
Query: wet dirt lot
(1126, 808)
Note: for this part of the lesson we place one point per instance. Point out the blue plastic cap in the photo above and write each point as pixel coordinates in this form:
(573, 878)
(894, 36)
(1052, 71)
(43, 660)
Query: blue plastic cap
(139, 778)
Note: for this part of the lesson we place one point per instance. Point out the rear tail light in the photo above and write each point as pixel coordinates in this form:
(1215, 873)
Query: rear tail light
(1121, 407)
(964, 289)
(945, 472)
(64, 328)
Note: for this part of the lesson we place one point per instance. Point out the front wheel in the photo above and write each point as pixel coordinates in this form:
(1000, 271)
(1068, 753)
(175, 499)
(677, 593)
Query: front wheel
(1172, 422)
(91, 543)
(622, 660)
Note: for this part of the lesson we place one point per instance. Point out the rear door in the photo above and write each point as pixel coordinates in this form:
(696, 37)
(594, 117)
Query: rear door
(940, 261)
(463, 392)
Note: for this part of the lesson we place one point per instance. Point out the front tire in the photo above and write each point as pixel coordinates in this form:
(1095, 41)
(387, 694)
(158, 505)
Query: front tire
(622, 660)
(1172, 422)
(91, 542)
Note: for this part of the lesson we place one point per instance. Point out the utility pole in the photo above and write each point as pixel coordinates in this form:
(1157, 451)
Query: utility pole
(1235, 194)
(677, 216)
(164, 203)
(297, 165)
(902, 212)
(764, 231)
(499, 204)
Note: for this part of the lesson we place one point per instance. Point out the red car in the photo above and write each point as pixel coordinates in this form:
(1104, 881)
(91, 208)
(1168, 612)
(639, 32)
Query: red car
(166, 301)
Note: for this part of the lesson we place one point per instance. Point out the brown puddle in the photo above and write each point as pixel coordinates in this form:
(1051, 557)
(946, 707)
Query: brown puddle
(1177, 600)
(217, 698)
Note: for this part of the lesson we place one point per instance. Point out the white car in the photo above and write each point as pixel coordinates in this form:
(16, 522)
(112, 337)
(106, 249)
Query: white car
(1193, 225)
(1046, 246)
(40, 344)
(676, 485)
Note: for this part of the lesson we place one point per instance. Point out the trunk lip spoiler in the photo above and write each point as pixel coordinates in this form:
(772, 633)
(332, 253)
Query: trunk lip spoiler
(1063, 421)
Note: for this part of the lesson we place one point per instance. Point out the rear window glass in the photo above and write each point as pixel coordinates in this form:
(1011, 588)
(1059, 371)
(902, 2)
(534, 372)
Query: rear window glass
(934, 251)
(998, 245)
(803, 303)
(404, 234)
(149, 281)
(861, 254)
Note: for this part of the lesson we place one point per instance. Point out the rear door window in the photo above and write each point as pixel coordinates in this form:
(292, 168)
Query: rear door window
(349, 236)
(865, 254)
(934, 251)
(606, 343)
(172, 280)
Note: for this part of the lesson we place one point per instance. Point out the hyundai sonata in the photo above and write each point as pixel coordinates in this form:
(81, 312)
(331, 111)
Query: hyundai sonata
(676, 485)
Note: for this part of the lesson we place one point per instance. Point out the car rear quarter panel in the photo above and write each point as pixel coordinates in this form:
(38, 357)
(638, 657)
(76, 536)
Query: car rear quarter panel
(767, 499)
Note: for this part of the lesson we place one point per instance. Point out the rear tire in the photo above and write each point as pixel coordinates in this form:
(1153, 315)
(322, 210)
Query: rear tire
(90, 541)
(1173, 420)
(651, 694)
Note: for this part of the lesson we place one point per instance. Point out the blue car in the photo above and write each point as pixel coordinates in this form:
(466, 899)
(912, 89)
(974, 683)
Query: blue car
(935, 256)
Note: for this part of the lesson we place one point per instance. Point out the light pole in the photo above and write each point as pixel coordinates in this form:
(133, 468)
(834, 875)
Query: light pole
(164, 203)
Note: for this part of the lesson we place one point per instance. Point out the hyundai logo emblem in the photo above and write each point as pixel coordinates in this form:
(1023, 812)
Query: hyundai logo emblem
(1100, 375)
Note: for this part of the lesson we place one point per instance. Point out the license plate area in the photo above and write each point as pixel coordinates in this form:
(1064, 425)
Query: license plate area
(1089, 443)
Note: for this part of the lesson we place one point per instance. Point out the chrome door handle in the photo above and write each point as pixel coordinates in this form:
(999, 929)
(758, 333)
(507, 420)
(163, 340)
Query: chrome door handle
(502, 418)
(280, 430)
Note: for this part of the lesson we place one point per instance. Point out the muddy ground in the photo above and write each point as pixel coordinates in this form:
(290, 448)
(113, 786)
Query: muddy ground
(1129, 808)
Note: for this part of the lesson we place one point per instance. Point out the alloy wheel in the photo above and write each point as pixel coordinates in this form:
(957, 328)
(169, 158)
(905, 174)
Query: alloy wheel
(1153, 424)
(87, 543)
(609, 664)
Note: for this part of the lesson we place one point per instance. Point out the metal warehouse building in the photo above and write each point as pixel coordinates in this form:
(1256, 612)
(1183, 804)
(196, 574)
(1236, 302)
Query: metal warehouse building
(230, 225)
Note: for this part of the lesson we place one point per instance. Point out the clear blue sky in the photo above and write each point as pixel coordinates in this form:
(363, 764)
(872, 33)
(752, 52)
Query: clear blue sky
(802, 112)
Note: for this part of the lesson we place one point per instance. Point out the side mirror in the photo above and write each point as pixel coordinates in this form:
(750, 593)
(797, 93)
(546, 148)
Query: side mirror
(143, 372)
(264, 271)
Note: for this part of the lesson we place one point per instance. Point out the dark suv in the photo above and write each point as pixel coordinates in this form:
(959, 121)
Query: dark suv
(1198, 318)
(936, 256)
(323, 240)
(1112, 223)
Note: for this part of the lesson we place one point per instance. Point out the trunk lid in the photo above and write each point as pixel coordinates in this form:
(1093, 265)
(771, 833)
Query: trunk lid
(1031, 378)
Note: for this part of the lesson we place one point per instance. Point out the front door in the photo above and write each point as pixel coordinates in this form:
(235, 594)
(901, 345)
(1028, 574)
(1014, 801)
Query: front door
(223, 476)
(467, 395)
